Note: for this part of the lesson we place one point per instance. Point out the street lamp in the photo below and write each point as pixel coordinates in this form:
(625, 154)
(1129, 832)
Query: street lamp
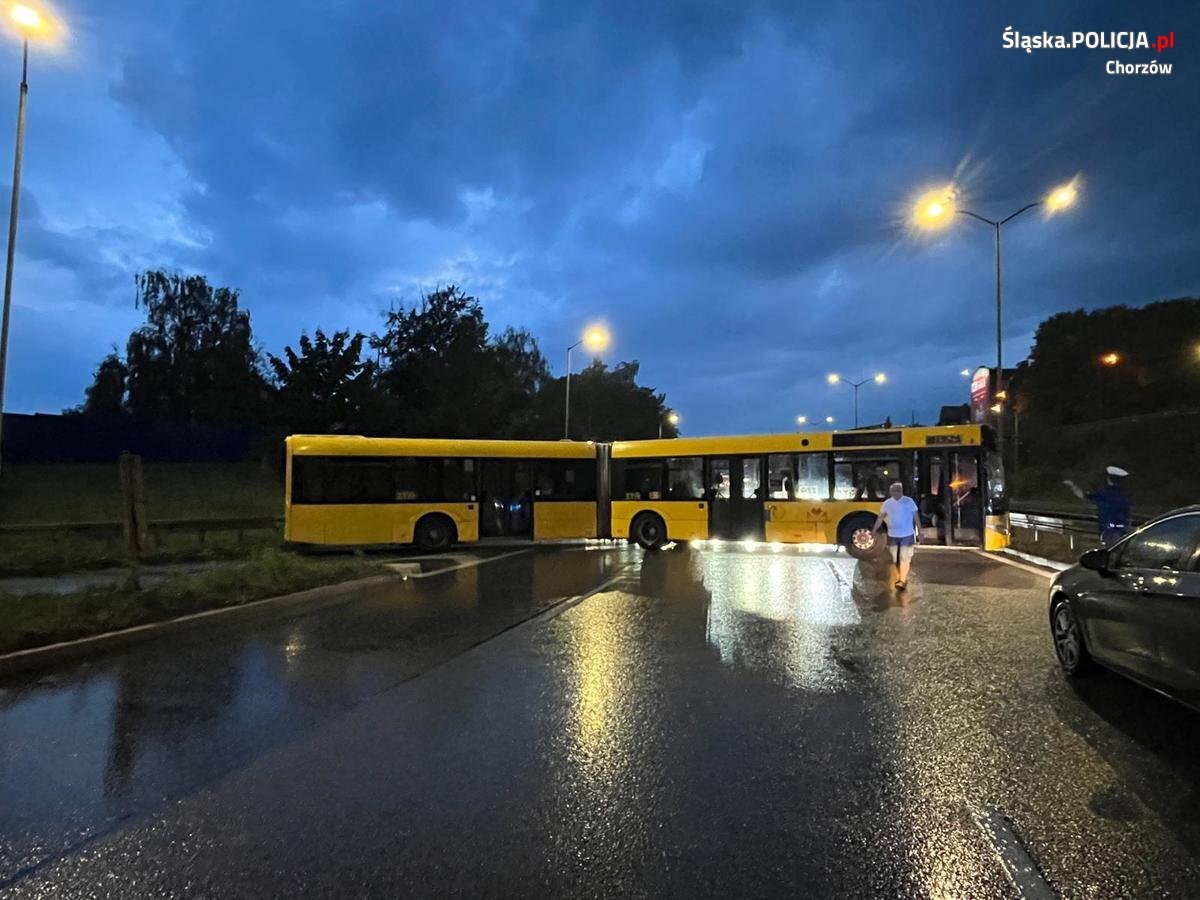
(801, 421)
(937, 208)
(596, 337)
(829, 420)
(1112, 359)
(835, 378)
(672, 419)
(29, 23)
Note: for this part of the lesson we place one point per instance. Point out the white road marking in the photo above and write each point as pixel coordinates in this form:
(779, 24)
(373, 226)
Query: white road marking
(1018, 865)
(1008, 561)
(405, 567)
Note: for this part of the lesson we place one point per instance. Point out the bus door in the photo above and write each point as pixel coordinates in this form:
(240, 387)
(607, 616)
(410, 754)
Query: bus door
(949, 496)
(965, 497)
(735, 491)
(505, 498)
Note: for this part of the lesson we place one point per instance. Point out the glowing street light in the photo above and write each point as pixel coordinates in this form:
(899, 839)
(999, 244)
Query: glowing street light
(801, 420)
(965, 373)
(672, 419)
(937, 208)
(1112, 359)
(596, 337)
(30, 23)
(834, 378)
(829, 420)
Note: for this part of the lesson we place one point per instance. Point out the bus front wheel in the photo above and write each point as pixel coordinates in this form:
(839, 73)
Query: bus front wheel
(434, 534)
(648, 531)
(857, 536)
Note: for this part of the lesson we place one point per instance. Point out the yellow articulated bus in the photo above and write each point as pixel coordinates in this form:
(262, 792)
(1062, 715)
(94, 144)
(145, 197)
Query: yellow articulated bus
(819, 488)
(350, 490)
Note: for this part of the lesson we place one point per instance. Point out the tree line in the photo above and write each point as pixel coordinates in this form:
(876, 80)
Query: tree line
(434, 369)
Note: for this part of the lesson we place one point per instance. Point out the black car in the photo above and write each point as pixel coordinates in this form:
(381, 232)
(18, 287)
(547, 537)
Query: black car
(1135, 607)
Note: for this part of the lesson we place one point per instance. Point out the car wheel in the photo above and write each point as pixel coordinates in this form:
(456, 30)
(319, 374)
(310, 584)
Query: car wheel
(649, 531)
(1068, 639)
(434, 534)
(857, 536)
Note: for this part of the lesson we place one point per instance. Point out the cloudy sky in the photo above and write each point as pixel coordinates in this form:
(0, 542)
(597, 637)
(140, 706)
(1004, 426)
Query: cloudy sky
(724, 184)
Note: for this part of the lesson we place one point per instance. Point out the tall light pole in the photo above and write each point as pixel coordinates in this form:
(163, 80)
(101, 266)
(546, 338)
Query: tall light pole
(672, 419)
(29, 21)
(937, 208)
(596, 337)
(834, 378)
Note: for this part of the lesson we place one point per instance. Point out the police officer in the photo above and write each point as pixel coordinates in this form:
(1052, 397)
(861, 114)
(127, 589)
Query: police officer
(1112, 504)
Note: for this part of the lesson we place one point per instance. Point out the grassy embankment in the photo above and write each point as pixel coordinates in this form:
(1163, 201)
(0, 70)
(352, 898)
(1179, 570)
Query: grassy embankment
(46, 493)
(34, 620)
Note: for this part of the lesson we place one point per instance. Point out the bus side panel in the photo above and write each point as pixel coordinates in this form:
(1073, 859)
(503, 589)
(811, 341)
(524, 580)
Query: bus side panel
(374, 523)
(564, 519)
(996, 535)
(686, 520)
(834, 511)
(795, 521)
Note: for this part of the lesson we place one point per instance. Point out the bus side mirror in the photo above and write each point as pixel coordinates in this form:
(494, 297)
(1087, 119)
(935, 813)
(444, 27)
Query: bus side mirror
(1096, 560)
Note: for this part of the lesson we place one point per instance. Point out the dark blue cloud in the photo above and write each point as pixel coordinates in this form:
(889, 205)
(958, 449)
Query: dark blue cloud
(724, 183)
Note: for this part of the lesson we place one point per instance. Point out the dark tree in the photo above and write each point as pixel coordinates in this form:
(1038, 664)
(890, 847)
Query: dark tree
(193, 361)
(106, 396)
(607, 405)
(326, 386)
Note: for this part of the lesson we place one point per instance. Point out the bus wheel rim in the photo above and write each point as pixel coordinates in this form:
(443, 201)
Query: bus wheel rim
(862, 538)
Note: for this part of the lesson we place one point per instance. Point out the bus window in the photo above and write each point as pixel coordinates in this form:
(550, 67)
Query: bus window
(352, 481)
(642, 479)
(781, 476)
(812, 477)
(685, 478)
(751, 481)
(417, 478)
(863, 479)
(458, 480)
(566, 479)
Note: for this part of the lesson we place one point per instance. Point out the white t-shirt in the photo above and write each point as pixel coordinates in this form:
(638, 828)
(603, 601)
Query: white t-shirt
(898, 515)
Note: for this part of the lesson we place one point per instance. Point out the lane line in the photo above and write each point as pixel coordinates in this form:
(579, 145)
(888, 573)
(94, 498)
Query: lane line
(1008, 561)
(1018, 865)
(463, 565)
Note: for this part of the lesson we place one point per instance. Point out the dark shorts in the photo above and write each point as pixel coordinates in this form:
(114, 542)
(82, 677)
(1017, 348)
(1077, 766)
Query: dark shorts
(903, 548)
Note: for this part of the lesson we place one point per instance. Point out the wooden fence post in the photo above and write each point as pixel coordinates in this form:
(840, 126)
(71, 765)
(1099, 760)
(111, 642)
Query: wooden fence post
(133, 511)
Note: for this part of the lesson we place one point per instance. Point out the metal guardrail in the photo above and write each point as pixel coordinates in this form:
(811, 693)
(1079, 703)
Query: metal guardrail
(113, 530)
(1070, 524)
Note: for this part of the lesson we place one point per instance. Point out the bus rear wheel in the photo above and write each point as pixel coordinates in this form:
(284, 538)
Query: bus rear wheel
(648, 531)
(434, 534)
(857, 536)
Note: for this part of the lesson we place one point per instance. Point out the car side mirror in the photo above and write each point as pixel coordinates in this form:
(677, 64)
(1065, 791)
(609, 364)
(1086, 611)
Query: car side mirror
(1096, 560)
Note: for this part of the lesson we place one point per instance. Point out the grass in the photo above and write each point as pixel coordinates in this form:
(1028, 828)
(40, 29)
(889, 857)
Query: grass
(91, 492)
(35, 620)
(37, 493)
(58, 552)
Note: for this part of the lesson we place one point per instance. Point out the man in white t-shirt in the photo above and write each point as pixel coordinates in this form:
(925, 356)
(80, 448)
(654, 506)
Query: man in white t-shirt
(903, 522)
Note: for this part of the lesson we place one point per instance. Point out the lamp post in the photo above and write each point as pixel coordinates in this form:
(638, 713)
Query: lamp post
(834, 378)
(937, 208)
(29, 21)
(596, 337)
(672, 419)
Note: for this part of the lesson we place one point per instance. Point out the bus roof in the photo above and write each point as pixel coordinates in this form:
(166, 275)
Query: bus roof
(357, 445)
(908, 438)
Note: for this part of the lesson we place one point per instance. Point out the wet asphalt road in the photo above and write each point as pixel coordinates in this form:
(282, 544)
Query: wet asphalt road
(591, 723)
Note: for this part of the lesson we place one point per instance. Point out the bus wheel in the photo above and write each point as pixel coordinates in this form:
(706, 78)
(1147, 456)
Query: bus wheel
(649, 531)
(857, 536)
(434, 534)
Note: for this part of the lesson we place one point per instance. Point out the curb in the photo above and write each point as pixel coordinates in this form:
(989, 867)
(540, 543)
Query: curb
(300, 602)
